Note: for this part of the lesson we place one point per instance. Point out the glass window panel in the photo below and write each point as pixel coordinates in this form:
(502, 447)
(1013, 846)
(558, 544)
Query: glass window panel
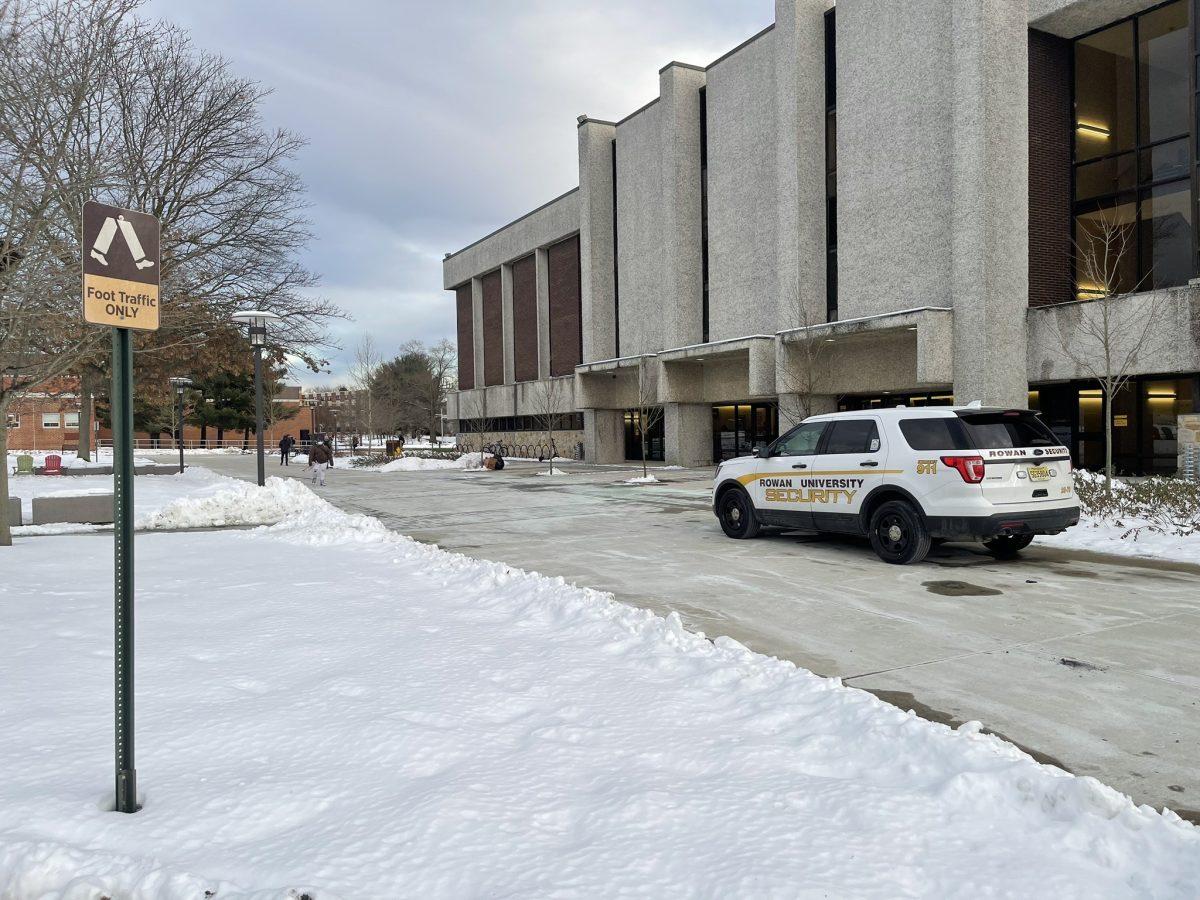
(1166, 235)
(1159, 163)
(1104, 93)
(800, 441)
(1105, 251)
(1107, 176)
(1164, 61)
(1162, 402)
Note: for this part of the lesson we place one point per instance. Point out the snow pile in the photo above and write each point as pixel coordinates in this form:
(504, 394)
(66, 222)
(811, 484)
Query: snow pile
(335, 709)
(1150, 520)
(420, 464)
(150, 492)
(642, 479)
(553, 470)
(238, 503)
(101, 458)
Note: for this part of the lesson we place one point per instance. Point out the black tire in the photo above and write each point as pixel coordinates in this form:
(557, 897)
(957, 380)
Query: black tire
(1008, 546)
(735, 512)
(898, 534)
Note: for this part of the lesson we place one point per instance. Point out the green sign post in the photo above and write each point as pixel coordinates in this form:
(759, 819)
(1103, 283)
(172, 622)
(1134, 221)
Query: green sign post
(120, 289)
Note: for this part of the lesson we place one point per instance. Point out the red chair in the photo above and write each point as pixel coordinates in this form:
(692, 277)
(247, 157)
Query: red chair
(53, 465)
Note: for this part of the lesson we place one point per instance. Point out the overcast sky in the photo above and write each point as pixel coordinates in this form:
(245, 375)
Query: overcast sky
(431, 124)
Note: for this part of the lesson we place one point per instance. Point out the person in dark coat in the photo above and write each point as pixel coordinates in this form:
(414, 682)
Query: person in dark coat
(320, 458)
(285, 449)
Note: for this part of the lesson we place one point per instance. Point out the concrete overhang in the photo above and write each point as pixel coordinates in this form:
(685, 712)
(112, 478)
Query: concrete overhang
(726, 349)
(1071, 18)
(612, 365)
(906, 349)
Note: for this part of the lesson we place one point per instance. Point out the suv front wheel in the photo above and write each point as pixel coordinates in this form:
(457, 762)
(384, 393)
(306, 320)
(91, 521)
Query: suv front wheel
(898, 535)
(736, 514)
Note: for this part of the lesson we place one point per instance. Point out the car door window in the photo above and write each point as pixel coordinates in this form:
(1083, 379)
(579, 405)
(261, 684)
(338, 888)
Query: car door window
(800, 441)
(853, 436)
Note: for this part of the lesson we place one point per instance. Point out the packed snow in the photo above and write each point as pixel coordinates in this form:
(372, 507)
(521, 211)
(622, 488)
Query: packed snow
(1099, 536)
(642, 479)
(70, 460)
(328, 707)
(421, 464)
(150, 492)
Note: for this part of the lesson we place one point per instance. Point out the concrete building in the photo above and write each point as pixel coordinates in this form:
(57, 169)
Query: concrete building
(861, 205)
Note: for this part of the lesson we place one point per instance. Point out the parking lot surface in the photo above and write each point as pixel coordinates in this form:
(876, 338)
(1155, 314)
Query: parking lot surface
(1089, 662)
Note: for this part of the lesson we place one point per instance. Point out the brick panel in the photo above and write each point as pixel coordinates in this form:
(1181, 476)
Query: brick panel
(466, 337)
(566, 336)
(525, 333)
(1049, 169)
(493, 330)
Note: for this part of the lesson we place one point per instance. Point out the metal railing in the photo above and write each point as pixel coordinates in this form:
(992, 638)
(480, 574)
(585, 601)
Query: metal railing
(1191, 462)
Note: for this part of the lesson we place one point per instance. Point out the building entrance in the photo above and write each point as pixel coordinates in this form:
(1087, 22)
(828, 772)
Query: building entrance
(741, 428)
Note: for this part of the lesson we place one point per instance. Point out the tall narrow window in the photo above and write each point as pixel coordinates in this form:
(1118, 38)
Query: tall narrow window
(704, 215)
(1133, 158)
(616, 257)
(831, 283)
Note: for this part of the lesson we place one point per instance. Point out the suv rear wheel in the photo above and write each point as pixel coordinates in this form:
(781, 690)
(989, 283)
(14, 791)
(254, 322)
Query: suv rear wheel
(736, 515)
(1009, 545)
(897, 533)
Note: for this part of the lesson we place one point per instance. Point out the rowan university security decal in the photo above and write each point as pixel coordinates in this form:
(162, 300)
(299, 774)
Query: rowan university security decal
(120, 267)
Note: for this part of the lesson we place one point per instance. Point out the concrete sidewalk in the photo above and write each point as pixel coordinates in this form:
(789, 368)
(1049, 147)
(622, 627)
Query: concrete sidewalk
(1087, 661)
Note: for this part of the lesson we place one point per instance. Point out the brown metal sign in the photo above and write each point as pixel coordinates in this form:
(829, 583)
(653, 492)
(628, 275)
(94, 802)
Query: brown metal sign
(121, 264)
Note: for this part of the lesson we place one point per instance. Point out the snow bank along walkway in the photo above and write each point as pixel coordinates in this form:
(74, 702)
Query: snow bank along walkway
(1088, 660)
(328, 707)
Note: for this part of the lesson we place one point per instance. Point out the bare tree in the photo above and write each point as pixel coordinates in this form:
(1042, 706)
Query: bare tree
(799, 380)
(649, 411)
(1103, 336)
(412, 388)
(483, 424)
(549, 397)
(367, 361)
(99, 104)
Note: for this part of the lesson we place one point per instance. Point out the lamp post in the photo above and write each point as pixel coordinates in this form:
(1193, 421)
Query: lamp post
(180, 385)
(256, 321)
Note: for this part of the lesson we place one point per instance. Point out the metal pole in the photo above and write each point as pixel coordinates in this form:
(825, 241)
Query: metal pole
(179, 433)
(258, 415)
(122, 422)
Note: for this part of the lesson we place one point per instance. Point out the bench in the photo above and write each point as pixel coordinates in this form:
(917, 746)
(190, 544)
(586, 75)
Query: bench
(91, 509)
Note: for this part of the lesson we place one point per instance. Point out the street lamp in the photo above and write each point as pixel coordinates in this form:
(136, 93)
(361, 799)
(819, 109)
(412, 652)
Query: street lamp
(180, 385)
(256, 321)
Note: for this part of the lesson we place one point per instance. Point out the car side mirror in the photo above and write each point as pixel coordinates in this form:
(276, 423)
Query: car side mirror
(763, 452)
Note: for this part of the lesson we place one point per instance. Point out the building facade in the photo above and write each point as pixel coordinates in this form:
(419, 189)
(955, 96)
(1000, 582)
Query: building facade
(864, 204)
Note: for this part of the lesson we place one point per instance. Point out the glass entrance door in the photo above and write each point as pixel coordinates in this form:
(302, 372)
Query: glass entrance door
(741, 428)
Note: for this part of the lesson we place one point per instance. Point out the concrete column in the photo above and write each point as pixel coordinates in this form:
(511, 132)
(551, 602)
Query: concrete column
(603, 436)
(683, 276)
(990, 212)
(689, 436)
(506, 326)
(477, 327)
(596, 244)
(542, 276)
(799, 48)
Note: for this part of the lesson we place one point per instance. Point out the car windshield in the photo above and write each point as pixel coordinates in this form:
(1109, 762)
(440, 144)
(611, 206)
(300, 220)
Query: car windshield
(1007, 429)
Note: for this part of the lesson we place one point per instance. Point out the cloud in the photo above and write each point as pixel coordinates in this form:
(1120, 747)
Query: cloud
(431, 124)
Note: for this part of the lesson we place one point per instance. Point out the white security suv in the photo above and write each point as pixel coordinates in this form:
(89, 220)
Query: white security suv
(906, 477)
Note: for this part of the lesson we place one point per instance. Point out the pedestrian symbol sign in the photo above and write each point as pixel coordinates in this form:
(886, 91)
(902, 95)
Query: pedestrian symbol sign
(120, 267)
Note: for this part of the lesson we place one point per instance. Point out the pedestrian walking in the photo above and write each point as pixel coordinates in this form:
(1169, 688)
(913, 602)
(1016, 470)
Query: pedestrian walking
(285, 449)
(320, 458)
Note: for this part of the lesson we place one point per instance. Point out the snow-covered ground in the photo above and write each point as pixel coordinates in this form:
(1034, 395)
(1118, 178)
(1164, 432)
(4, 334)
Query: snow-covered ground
(100, 458)
(326, 706)
(150, 492)
(1105, 537)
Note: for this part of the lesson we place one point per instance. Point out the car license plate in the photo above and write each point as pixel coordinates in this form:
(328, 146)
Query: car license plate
(1039, 473)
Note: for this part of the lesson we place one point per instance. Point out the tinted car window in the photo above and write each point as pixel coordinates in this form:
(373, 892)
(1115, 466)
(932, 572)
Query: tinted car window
(935, 434)
(991, 430)
(853, 436)
(800, 441)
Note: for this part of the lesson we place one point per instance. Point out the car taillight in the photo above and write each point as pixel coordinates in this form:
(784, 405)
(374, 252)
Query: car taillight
(969, 467)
